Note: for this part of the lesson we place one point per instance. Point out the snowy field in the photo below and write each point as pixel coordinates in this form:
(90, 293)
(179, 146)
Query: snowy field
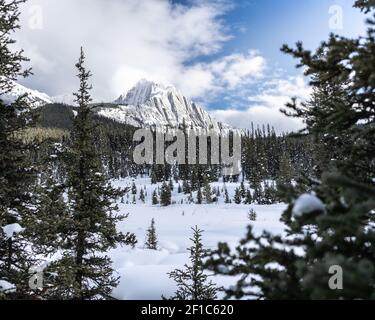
(144, 272)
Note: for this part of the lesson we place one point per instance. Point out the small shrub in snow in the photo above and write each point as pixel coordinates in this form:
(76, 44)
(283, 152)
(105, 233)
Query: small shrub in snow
(252, 215)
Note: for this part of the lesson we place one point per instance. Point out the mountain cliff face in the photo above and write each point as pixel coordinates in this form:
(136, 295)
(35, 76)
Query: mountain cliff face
(147, 104)
(34, 97)
(153, 104)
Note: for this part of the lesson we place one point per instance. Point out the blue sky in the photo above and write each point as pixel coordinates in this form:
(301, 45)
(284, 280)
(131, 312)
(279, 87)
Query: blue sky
(265, 25)
(224, 54)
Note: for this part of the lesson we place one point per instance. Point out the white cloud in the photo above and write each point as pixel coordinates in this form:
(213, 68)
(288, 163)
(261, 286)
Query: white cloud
(265, 107)
(124, 41)
(239, 69)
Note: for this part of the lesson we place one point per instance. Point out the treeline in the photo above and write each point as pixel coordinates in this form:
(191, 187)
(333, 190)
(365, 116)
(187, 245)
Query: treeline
(265, 155)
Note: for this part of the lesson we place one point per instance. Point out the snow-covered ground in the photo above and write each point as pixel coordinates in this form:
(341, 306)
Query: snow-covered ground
(144, 272)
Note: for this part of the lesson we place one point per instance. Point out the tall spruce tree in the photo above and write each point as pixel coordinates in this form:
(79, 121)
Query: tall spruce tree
(237, 196)
(165, 195)
(155, 199)
(84, 272)
(192, 282)
(151, 237)
(207, 192)
(16, 172)
(332, 225)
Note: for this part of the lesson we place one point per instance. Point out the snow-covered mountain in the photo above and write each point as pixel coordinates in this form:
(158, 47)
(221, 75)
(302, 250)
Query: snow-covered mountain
(147, 104)
(154, 104)
(34, 97)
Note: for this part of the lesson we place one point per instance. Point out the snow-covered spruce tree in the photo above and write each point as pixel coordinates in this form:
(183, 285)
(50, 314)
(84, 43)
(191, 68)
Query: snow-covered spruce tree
(199, 196)
(84, 271)
(248, 197)
(165, 195)
(142, 195)
(237, 196)
(207, 192)
(17, 176)
(151, 237)
(192, 282)
(155, 199)
(332, 225)
(226, 196)
(134, 189)
(186, 187)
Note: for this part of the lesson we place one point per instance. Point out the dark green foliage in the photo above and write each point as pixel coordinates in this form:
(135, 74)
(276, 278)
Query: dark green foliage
(155, 199)
(192, 282)
(165, 195)
(151, 237)
(207, 192)
(186, 187)
(142, 195)
(237, 196)
(134, 189)
(17, 175)
(199, 196)
(337, 229)
(252, 215)
(226, 195)
(89, 229)
(258, 194)
(248, 197)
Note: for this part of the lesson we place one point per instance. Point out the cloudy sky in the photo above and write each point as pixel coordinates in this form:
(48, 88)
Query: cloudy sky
(224, 54)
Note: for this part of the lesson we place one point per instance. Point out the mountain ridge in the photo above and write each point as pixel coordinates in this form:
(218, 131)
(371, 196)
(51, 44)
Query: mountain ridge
(150, 103)
(147, 104)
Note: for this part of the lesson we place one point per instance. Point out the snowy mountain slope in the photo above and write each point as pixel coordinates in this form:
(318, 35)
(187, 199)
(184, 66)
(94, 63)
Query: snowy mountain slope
(153, 104)
(34, 97)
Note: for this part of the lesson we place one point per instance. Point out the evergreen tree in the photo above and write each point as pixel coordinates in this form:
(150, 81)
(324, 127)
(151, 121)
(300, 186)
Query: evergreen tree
(142, 196)
(155, 199)
(332, 224)
(134, 189)
(84, 271)
(192, 282)
(207, 192)
(252, 215)
(248, 197)
(186, 187)
(152, 241)
(16, 172)
(285, 174)
(243, 190)
(269, 194)
(165, 195)
(237, 196)
(226, 195)
(258, 194)
(199, 196)
(153, 177)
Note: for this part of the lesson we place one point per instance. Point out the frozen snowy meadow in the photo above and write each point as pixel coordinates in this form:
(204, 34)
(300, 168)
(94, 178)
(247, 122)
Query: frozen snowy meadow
(143, 273)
